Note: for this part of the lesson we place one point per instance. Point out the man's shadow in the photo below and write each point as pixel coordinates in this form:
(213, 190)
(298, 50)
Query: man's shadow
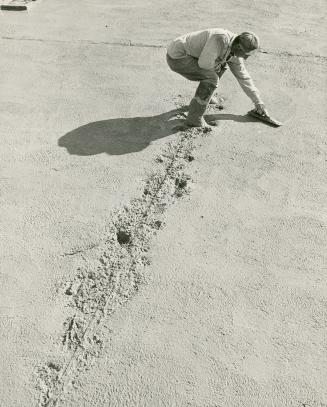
(129, 135)
(121, 136)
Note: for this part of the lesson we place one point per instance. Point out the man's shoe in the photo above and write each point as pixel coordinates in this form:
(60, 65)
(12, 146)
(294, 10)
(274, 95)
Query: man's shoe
(217, 101)
(214, 100)
(198, 123)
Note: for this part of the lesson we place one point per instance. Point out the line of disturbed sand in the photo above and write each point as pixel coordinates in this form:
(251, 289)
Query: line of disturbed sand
(121, 259)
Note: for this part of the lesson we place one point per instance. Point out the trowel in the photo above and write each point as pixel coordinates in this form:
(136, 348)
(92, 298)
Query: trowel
(264, 118)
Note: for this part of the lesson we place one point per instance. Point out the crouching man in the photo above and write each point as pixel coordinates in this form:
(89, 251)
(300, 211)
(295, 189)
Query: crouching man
(203, 56)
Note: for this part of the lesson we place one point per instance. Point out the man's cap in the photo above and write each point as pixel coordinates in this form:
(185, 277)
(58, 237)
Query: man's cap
(249, 41)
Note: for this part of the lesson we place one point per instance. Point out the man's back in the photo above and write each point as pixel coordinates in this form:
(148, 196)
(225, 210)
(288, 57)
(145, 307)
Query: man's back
(194, 43)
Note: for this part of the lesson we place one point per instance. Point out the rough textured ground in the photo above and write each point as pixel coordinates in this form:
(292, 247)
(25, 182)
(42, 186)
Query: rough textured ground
(232, 309)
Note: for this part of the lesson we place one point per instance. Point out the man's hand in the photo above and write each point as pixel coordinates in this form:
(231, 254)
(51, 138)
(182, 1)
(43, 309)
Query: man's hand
(260, 108)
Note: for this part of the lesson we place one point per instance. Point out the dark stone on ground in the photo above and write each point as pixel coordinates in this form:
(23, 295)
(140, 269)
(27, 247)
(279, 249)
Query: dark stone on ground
(123, 237)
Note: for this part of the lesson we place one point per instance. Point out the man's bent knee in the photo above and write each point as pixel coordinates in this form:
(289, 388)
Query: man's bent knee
(205, 91)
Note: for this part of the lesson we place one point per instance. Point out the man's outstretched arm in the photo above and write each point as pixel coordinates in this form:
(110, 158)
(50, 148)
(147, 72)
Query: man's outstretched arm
(238, 69)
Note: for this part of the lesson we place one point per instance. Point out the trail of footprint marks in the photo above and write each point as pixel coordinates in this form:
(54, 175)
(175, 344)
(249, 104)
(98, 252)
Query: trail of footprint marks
(97, 293)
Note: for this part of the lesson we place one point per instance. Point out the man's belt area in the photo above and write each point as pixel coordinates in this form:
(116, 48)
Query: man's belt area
(220, 68)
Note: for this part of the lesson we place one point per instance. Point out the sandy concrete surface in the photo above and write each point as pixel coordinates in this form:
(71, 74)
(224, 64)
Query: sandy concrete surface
(232, 309)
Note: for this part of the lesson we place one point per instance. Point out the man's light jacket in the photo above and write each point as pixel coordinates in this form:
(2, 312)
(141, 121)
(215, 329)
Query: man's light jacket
(212, 48)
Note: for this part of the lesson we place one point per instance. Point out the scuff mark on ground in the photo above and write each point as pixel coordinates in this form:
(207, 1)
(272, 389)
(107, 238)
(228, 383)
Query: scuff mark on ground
(129, 43)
